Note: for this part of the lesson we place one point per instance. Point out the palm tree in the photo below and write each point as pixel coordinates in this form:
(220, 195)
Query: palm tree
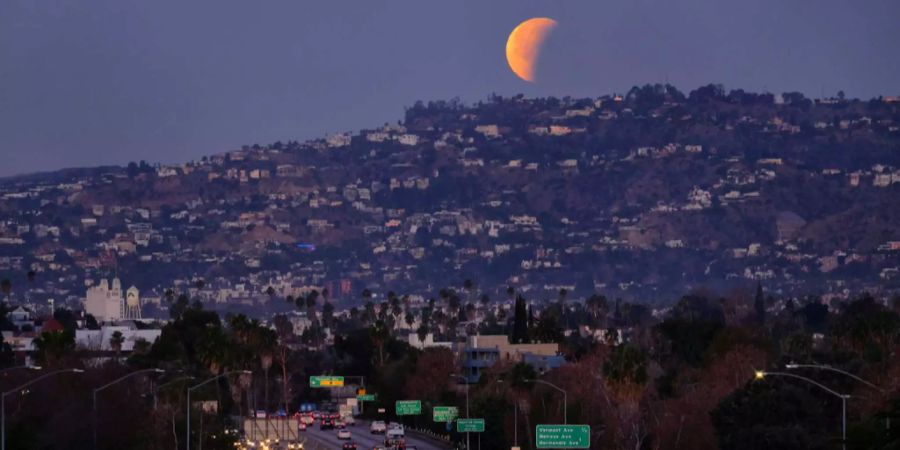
(379, 333)
(469, 286)
(116, 341)
(212, 350)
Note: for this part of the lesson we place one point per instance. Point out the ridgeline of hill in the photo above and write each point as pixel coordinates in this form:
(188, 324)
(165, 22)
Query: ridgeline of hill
(643, 196)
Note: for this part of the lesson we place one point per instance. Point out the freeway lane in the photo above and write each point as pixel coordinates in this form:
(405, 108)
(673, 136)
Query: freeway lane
(364, 440)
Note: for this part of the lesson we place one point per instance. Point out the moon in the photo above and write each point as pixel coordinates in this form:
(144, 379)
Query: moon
(524, 46)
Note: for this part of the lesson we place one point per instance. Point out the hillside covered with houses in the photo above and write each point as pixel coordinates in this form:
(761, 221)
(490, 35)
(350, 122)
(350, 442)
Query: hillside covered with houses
(641, 197)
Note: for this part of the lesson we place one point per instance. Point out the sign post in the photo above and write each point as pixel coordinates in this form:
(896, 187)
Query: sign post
(470, 425)
(408, 407)
(563, 436)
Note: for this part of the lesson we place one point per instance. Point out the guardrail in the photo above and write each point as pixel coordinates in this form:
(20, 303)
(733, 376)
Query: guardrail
(436, 438)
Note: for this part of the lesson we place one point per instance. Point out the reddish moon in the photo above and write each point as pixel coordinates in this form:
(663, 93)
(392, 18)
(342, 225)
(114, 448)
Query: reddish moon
(523, 47)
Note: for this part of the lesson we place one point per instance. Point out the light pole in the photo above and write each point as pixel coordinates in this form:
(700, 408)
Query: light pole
(167, 383)
(189, 399)
(565, 397)
(466, 381)
(760, 375)
(842, 372)
(18, 389)
(362, 383)
(10, 369)
(117, 380)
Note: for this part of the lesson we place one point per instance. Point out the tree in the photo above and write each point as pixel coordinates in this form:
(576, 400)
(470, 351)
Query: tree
(7, 357)
(6, 287)
(776, 414)
(867, 327)
(52, 347)
(759, 305)
(520, 323)
(379, 334)
(116, 341)
(548, 329)
(626, 365)
(431, 378)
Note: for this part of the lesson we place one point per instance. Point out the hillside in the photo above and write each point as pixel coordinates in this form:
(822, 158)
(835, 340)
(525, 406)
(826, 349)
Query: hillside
(644, 196)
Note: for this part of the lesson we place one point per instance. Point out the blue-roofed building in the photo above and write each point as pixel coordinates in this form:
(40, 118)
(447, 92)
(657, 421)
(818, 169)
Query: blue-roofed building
(482, 352)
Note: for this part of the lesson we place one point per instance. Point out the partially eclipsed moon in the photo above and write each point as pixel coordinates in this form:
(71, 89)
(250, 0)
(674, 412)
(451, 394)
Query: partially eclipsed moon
(524, 46)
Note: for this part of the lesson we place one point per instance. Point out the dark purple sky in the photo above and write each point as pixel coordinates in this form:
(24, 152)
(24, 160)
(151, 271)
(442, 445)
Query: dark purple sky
(93, 82)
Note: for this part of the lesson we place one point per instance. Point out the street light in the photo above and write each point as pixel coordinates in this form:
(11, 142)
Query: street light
(246, 372)
(466, 381)
(760, 375)
(565, 397)
(117, 380)
(10, 369)
(842, 372)
(836, 370)
(18, 389)
(168, 383)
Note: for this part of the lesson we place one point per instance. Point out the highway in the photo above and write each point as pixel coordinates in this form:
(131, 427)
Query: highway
(360, 434)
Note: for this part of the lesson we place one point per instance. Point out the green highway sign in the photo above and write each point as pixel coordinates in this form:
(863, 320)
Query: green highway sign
(323, 381)
(409, 407)
(444, 413)
(366, 398)
(470, 426)
(563, 436)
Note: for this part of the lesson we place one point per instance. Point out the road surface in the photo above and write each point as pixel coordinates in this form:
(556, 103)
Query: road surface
(364, 440)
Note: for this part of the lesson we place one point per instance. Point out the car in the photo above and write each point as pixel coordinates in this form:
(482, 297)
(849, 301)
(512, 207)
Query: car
(343, 434)
(377, 427)
(340, 424)
(379, 447)
(295, 446)
(326, 424)
(349, 446)
(349, 420)
(301, 426)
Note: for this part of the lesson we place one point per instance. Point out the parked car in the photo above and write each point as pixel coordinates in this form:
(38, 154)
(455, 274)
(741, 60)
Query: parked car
(377, 427)
(343, 434)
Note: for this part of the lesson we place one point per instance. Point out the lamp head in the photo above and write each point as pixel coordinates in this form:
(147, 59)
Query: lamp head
(760, 374)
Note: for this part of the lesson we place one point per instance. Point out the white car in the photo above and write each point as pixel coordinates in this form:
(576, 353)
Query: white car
(343, 434)
(377, 427)
(349, 420)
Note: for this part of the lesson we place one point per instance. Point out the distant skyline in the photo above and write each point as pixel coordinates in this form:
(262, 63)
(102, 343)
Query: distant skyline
(99, 82)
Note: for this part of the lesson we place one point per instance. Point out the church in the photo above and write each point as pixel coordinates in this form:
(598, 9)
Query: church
(108, 304)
